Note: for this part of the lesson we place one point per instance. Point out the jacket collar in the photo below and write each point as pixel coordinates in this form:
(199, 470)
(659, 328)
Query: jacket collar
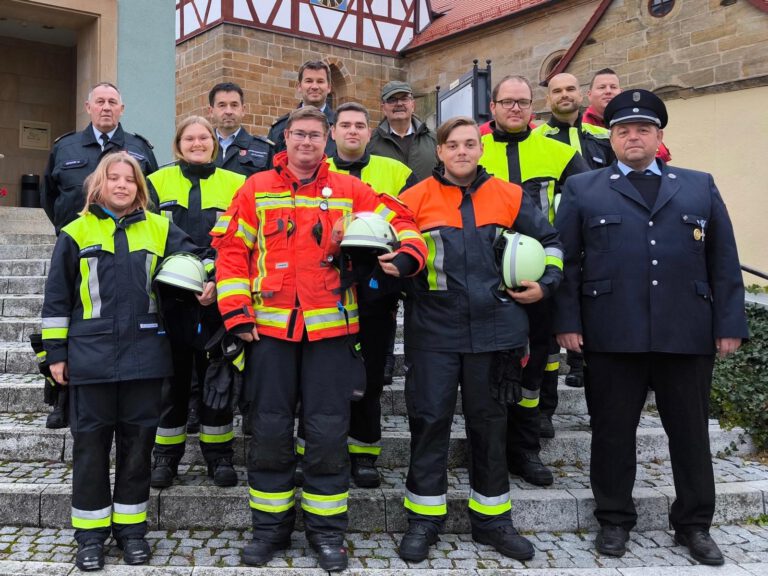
(555, 123)
(352, 165)
(280, 162)
(88, 138)
(502, 136)
(197, 170)
(482, 177)
(136, 216)
(592, 117)
(668, 188)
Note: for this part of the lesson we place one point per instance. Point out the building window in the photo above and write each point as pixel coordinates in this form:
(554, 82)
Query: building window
(549, 65)
(660, 8)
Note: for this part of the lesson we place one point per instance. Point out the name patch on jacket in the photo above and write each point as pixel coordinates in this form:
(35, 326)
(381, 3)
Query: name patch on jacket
(168, 203)
(74, 163)
(136, 155)
(89, 249)
(259, 153)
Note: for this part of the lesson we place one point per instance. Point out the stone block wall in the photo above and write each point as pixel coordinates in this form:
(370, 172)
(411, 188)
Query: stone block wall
(699, 44)
(266, 65)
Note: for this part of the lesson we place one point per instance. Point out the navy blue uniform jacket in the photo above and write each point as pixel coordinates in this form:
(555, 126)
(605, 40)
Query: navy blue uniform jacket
(665, 279)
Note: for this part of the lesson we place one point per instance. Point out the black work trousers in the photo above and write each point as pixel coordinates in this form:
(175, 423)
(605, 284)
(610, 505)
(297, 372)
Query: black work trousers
(538, 382)
(618, 385)
(431, 387)
(128, 412)
(216, 430)
(322, 374)
(377, 328)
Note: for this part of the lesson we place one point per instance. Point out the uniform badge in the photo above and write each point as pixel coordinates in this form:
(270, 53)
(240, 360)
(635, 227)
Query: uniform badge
(697, 235)
(243, 152)
(636, 96)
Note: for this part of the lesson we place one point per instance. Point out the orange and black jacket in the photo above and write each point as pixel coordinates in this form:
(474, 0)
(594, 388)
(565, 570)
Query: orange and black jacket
(277, 252)
(454, 304)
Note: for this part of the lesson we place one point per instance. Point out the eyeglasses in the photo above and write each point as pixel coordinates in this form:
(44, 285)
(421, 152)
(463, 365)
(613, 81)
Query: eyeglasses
(509, 103)
(300, 136)
(398, 99)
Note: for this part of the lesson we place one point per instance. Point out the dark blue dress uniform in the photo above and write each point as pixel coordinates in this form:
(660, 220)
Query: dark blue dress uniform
(247, 154)
(650, 285)
(73, 157)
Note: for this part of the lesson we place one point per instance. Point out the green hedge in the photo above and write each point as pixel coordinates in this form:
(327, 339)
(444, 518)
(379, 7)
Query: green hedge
(740, 382)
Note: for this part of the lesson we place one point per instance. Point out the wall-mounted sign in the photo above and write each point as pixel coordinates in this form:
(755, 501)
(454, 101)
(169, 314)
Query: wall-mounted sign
(337, 4)
(34, 135)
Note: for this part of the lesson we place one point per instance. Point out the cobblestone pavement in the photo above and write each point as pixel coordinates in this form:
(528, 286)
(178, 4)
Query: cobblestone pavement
(649, 474)
(744, 546)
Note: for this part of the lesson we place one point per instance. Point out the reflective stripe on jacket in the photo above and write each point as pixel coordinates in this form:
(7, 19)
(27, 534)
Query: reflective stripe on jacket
(99, 313)
(276, 263)
(453, 304)
(540, 165)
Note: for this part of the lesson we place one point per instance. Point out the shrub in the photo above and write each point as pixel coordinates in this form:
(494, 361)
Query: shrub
(740, 382)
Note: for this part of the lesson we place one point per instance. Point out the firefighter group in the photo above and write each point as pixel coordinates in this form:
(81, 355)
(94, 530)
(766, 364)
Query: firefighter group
(263, 275)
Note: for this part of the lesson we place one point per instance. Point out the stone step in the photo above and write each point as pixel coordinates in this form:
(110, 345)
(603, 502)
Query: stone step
(30, 251)
(23, 437)
(39, 494)
(29, 305)
(19, 285)
(23, 393)
(17, 358)
(24, 267)
(17, 329)
(32, 239)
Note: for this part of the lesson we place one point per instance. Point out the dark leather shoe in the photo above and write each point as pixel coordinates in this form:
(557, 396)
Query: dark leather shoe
(701, 546)
(506, 540)
(298, 474)
(546, 429)
(364, 471)
(259, 552)
(222, 472)
(90, 556)
(575, 380)
(414, 547)
(57, 418)
(164, 470)
(530, 468)
(612, 541)
(331, 552)
(135, 551)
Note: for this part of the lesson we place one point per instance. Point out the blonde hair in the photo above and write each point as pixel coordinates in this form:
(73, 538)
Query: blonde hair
(186, 123)
(96, 181)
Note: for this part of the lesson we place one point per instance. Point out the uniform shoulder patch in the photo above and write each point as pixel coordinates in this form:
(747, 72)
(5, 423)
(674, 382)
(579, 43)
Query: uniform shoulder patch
(143, 139)
(64, 136)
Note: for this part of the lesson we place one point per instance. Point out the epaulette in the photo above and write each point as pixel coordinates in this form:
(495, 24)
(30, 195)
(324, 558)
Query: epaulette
(143, 139)
(283, 117)
(64, 136)
(264, 139)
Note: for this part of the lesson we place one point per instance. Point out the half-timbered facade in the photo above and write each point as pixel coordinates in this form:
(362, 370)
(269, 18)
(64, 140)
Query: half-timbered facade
(383, 26)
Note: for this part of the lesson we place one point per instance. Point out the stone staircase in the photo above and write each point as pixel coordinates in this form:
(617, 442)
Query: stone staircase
(35, 463)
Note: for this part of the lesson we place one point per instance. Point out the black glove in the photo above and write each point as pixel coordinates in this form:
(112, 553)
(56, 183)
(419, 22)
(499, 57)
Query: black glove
(507, 376)
(50, 388)
(222, 378)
